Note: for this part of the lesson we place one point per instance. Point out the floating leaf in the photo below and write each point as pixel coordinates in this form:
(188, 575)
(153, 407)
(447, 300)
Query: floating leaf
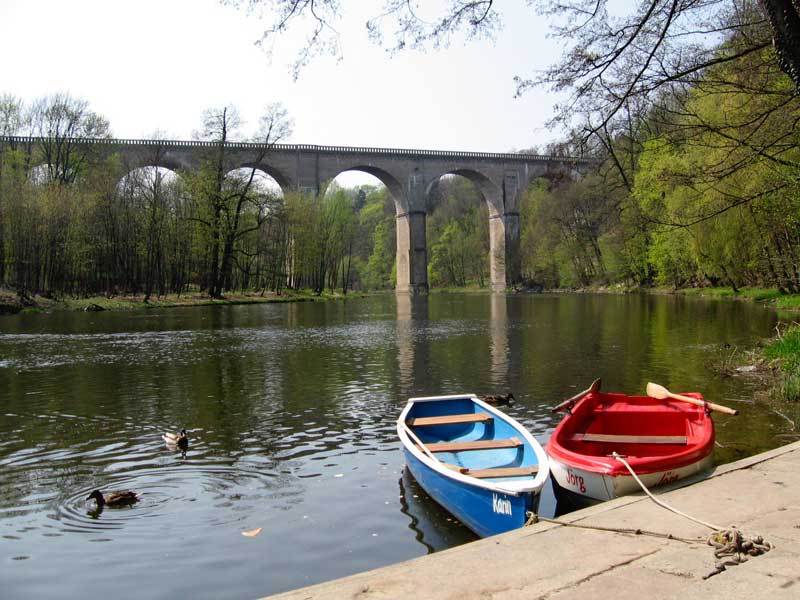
(252, 532)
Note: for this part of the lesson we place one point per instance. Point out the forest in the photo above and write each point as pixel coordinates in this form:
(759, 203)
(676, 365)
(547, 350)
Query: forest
(81, 225)
(698, 184)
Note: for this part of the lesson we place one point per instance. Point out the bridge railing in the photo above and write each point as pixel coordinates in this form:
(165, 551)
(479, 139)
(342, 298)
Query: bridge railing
(405, 152)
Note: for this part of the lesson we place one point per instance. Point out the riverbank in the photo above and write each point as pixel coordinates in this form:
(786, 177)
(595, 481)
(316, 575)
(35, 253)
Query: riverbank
(772, 296)
(11, 303)
(761, 295)
(585, 555)
(784, 352)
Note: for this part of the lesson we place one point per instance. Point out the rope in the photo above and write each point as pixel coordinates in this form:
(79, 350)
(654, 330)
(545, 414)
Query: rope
(731, 546)
(533, 518)
(661, 503)
(728, 541)
(738, 547)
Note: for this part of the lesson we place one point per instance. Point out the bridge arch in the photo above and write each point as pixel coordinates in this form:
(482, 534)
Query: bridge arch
(281, 180)
(158, 173)
(504, 228)
(263, 182)
(491, 192)
(410, 253)
(385, 177)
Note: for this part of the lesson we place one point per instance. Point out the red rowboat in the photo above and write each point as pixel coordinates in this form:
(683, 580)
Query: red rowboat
(663, 440)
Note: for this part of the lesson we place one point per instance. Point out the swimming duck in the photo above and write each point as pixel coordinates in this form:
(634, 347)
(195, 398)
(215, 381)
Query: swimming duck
(114, 499)
(176, 439)
(499, 400)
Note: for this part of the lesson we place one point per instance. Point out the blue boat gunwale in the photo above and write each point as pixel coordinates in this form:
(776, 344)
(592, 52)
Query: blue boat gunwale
(514, 487)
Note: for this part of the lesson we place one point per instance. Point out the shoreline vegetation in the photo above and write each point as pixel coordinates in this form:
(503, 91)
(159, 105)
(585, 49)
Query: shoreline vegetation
(12, 302)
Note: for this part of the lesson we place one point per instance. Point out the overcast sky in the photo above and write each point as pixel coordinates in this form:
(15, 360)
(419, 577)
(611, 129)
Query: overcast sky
(155, 65)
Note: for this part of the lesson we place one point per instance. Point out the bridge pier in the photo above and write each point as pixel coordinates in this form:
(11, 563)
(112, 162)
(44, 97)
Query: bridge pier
(412, 254)
(504, 259)
(512, 248)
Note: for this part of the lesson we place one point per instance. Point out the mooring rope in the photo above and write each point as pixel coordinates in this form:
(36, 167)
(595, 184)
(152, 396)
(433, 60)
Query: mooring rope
(533, 518)
(660, 502)
(727, 542)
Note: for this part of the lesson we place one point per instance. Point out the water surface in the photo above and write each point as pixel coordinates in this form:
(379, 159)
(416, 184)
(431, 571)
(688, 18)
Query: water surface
(290, 410)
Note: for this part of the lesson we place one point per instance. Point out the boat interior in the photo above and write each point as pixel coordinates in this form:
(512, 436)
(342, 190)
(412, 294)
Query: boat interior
(472, 441)
(627, 425)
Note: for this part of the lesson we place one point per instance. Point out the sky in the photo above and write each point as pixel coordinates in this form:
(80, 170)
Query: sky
(154, 65)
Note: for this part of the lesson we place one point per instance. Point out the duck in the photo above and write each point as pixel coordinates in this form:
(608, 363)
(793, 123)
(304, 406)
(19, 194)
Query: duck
(114, 499)
(499, 399)
(176, 439)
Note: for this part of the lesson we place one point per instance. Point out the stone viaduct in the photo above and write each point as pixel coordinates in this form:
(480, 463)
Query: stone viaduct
(409, 176)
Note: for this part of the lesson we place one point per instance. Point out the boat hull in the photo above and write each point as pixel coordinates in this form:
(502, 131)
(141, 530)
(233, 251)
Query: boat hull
(483, 511)
(570, 479)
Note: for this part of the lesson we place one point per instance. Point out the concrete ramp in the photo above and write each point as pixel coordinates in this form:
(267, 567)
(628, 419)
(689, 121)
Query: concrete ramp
(760, 495)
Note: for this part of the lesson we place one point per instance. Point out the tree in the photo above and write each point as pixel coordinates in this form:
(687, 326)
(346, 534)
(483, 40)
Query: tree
(457, 233)
(11, 115)
(232, 205)
(376, 242)
(316, 17)
(659, 41)
(10, 122)
(63, 122)
(563, 223)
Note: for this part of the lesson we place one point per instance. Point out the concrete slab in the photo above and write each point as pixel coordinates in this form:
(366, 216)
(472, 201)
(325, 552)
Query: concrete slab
(758, 494)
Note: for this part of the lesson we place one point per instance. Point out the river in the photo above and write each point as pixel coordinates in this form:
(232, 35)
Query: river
(290, 410)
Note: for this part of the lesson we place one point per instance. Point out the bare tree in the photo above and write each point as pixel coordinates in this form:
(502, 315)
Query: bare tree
(316, 18)
(659, 39)
(11, 115)
(63, 121)
(229, 197)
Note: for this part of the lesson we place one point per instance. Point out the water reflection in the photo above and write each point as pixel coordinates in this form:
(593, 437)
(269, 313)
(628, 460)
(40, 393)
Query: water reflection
(498, 331)
(433, 527)
(412, 316)
(291, 413)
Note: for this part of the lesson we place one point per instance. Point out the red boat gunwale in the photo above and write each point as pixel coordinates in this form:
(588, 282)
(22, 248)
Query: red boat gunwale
(620, 414)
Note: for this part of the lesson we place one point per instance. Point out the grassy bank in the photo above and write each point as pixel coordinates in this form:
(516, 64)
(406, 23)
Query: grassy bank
(781, 301)
(10, 303)
(784, 351)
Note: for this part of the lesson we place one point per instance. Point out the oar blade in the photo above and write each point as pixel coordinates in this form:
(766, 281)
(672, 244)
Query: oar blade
(657, 391)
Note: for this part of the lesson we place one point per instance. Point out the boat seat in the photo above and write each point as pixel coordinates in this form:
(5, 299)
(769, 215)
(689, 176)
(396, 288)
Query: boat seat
(629, 439)
(451, 419)
(496, 472)
(513, 442)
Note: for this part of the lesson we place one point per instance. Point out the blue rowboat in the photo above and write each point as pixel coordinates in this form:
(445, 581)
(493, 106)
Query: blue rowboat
(476, 461)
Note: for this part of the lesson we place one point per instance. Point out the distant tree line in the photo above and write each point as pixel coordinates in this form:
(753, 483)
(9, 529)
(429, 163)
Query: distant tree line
(71, 223)
(75, 223)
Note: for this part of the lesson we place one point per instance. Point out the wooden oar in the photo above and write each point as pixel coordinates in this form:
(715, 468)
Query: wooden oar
(659, 391)
(592, 388)
(419, 442)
